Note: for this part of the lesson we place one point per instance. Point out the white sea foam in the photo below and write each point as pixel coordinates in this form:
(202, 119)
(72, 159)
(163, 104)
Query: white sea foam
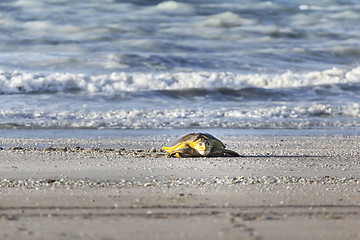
(281, 116)
(226, 20)
(174, 6)
(117, 82)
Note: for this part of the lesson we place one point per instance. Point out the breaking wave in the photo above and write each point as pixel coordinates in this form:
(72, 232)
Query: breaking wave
(18, 82)
(316, 115)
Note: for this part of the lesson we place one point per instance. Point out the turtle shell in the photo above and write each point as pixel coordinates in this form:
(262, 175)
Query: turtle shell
(191, 137)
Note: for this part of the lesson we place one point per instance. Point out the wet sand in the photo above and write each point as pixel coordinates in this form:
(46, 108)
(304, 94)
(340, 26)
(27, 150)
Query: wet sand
(281, 187)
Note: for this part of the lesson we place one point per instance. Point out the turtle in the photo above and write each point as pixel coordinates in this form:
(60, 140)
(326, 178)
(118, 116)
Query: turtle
(199, 145)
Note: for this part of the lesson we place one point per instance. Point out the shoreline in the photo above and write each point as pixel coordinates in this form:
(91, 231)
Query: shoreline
(140, 133)
(300, 187)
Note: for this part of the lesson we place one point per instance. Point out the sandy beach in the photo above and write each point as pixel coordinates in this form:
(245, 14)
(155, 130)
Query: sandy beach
(283, 187)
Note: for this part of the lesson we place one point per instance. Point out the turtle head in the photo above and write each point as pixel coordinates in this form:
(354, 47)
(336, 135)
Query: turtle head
(203, 146)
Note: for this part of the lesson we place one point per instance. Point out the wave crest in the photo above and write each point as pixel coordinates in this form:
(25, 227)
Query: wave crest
(22, 82)
(317, 115)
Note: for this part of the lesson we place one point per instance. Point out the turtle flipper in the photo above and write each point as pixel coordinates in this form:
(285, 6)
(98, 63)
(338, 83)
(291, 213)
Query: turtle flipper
(181, 145)
(185, 152)
(218, 152)
(169, 149)
(181, 150)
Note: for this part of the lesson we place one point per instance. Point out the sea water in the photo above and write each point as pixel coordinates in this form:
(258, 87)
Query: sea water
(202, 64)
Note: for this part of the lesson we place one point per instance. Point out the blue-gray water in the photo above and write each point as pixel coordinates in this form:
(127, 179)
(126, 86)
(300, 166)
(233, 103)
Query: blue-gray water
(185, 64)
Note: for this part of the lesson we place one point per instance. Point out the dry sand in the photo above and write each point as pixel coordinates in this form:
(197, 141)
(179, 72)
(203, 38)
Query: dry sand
(281, 188)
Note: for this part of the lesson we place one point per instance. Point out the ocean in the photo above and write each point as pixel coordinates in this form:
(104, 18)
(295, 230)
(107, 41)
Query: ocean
(230, 65)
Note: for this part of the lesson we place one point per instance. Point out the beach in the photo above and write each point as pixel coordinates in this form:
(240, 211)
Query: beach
(281, 187)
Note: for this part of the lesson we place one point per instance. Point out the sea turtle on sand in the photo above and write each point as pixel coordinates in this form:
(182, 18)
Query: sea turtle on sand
(199, 145)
